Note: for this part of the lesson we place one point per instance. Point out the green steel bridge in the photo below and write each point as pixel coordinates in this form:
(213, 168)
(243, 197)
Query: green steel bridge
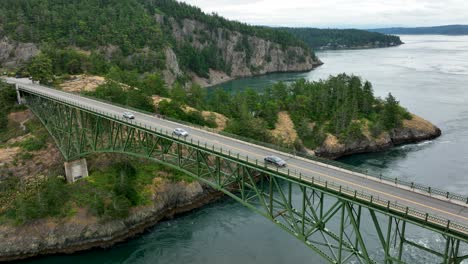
(343, 215)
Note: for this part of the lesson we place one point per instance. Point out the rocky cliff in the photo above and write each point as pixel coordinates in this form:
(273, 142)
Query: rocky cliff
(14, 53)
(412, 131)
(83, 231)
(241, 55)
(245, 55)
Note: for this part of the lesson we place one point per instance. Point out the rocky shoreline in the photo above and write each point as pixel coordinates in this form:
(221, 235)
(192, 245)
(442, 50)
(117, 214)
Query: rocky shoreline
(84, 232)
(413, 131)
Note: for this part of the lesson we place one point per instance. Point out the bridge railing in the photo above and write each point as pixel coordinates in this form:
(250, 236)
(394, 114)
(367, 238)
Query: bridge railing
(394, 180)
(292, 151)
(332, 187)
(340, 190)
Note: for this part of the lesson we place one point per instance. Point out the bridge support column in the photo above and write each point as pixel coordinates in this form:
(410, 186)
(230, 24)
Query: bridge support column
(75, 170)
(18, 94)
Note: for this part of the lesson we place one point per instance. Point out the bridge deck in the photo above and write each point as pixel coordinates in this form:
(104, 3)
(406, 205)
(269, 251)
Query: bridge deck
(454, 211)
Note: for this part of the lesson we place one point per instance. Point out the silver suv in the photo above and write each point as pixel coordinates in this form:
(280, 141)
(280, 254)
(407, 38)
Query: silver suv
(279, 162)
(128, 115)
(180, 132)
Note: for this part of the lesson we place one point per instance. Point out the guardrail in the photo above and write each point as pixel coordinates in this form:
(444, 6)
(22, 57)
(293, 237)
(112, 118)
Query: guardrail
(340, 190)
(412, 185)
(397, 181)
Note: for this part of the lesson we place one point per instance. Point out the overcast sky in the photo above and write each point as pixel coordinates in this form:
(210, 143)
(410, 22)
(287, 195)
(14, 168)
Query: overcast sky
(340, 13)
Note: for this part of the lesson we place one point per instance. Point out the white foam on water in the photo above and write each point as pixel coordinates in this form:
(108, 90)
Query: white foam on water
(424, 143)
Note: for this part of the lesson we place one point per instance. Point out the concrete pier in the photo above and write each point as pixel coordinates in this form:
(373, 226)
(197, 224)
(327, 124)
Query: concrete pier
(18, 94)
(75, 170)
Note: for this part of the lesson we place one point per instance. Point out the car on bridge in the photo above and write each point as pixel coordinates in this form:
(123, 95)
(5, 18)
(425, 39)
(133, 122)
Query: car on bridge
(180, 132)
(128, 115)
(279, 162)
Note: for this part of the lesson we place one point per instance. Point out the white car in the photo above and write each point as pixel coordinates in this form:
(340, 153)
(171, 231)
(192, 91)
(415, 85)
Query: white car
(128, 115)
(180, 132)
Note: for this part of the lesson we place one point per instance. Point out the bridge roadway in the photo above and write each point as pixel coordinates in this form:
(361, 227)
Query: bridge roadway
(454, 211)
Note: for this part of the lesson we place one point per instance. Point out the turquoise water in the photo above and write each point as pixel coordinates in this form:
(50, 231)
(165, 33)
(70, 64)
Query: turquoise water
(429, 75)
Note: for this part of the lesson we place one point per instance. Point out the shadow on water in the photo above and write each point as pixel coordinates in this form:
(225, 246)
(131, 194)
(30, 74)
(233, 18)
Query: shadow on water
(379, 161)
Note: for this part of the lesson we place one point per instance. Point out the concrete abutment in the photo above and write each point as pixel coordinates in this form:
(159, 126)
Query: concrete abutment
(75, 170)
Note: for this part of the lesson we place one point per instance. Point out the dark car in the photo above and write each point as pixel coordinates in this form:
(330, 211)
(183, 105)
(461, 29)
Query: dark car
(275, 160)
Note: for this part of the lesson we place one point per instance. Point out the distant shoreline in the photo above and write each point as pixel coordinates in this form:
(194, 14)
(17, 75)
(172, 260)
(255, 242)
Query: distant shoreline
(446, 30)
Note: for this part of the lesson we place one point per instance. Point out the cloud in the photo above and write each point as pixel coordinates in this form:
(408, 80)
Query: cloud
(339, 13)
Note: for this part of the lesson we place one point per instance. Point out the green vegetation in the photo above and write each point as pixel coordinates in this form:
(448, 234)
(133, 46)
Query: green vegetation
(108, 193)
(117, 93)
(8, 104)
(93, 36)
(40, 69)
(174, 110)
(33, 143)
(342, 105)
(40, 199)
(438, 30)
(343, 38)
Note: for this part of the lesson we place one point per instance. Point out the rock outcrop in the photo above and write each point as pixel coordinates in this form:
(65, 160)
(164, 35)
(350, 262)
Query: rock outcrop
(246, 55)
(412, 131)
(14, 53)
(82, 231)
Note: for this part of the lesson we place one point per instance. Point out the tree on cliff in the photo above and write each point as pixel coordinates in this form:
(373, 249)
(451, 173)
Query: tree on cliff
(391, 113)
(7, 101)
(3, 119)
(41, 69)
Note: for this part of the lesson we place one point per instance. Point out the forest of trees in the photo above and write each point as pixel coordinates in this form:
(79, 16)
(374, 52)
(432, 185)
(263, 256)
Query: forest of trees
(343, 38)
(343, 105)
(7, 102)
(453, 30)
(78, 36)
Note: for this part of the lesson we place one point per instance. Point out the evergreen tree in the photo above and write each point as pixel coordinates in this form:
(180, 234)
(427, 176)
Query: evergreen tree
(153, 84)
(196, 96)
(178, 93)
(40, 69)
(3, 119)
(367, 98)
(391, 113)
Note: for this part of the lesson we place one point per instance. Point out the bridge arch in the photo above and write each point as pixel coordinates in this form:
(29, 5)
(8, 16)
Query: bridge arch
(327, 218)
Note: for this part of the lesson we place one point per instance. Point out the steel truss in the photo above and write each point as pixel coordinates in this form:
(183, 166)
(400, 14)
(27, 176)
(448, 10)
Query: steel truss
(339, 228)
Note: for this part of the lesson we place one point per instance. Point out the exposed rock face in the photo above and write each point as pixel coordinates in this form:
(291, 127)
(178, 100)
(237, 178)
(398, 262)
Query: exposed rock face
(83, 232)
(14, 53)
(172, 70)
(216, 77)
(414, 130)
(246, 55)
